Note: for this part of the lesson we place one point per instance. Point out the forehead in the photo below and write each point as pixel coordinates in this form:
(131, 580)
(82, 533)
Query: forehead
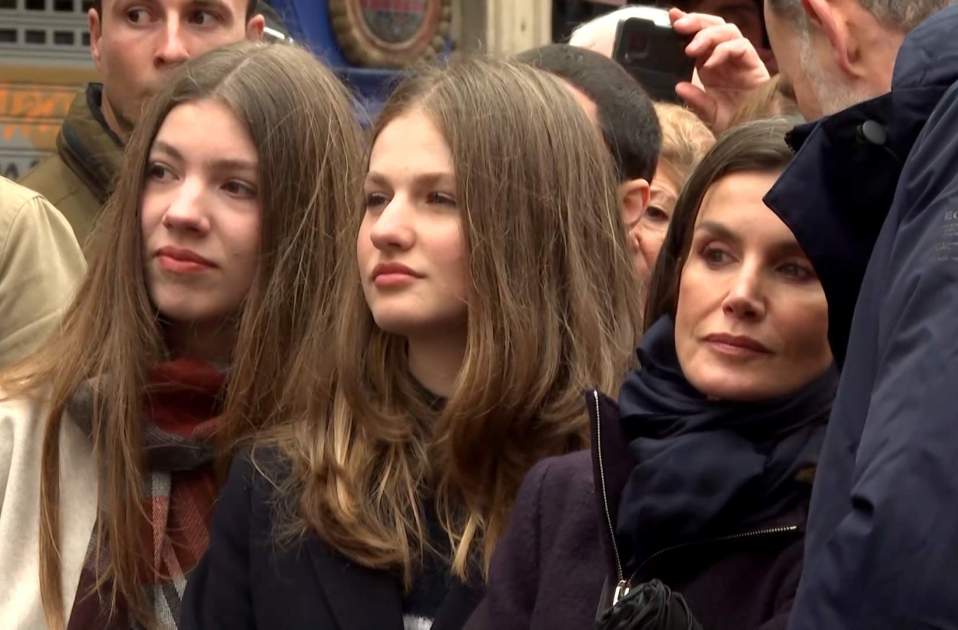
(205, 130)
(735, 202)
(410, 143)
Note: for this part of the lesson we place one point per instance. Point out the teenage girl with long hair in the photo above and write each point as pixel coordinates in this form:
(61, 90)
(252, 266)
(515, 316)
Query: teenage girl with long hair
(490, 285)
(207, 294)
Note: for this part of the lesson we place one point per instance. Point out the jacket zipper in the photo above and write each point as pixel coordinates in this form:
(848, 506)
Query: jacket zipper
(622, 585)
(769, 531)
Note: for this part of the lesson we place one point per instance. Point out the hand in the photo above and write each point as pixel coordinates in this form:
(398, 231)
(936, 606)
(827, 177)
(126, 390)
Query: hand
(727, 67)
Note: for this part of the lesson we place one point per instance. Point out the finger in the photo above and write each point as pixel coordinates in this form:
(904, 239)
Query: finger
(740, 57)
(676, 14)
(708, 38)
(703, 105)
(692, 23)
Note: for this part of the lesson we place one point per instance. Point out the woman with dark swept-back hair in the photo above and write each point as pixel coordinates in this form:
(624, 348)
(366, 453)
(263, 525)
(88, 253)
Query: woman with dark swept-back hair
(490, 284)
(702, 471)
(207, 295)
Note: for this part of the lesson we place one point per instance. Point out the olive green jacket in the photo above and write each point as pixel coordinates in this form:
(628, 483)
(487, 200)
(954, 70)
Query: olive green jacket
(78, 178)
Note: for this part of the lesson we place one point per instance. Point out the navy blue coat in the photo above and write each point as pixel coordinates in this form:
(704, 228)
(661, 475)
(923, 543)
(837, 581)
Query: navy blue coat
(875, 206)
(247, 580)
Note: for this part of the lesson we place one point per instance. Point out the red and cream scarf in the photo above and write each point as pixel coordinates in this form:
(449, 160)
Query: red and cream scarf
(182, 405)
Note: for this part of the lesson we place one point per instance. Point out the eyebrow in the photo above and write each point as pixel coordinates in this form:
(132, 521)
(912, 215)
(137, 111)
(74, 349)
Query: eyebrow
(421, 179)
(224, 164)
(780, 249)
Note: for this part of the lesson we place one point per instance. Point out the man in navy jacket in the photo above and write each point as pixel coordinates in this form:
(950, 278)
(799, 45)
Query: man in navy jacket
(872, 196)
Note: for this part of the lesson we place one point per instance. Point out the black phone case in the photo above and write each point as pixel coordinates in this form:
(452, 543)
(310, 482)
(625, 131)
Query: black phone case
(654, 55)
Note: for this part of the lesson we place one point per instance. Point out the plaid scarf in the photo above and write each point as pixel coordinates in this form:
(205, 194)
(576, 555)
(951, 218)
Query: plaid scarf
(181, 407)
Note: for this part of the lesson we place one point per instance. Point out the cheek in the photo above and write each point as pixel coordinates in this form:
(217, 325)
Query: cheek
(449, 248)
(651, 244)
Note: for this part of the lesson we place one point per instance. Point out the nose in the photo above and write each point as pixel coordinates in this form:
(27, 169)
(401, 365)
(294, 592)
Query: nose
(393, 228)
(186, 212)
(172, 49)
(745, 299)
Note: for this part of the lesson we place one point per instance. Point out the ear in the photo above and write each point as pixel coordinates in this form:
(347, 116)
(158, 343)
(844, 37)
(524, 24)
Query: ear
(254, 28)
(827, 17)
(633, 200)
(95, 26)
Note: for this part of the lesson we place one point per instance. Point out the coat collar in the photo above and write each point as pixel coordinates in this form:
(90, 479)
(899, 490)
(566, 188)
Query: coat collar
(88, 145)
(369, 599)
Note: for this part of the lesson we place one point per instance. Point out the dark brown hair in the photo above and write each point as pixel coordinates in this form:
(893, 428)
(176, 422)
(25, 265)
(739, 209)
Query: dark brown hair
(753, 147)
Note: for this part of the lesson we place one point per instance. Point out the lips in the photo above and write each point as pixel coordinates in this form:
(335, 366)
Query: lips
(182, 260)
(737, 343)
(393, 269)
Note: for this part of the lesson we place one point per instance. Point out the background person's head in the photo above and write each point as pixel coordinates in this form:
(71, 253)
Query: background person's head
(135, 45)
(837, 53)
(685, 139)
(622, 111)
(490, 238)
(750, 315)
(264, 213)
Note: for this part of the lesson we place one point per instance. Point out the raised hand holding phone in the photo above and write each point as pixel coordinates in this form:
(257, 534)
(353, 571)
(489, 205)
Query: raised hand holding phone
(727, 67)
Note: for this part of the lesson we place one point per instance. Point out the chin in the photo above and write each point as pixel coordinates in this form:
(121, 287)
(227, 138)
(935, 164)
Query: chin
(736, 388)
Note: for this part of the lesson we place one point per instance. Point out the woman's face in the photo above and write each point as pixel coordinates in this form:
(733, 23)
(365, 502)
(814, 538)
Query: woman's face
(649, 232)
(411, 248)
(200, 214)
(752, 320)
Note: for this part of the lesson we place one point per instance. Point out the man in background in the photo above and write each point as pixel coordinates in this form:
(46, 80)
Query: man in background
(872, 197)
(623, 113)
(135, 46)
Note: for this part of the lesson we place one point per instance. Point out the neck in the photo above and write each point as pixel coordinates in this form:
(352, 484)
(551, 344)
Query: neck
(435, 361)
(210, 342)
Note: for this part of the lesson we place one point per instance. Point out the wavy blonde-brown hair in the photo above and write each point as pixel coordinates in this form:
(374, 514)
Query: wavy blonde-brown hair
(553, 309)
(310, 147)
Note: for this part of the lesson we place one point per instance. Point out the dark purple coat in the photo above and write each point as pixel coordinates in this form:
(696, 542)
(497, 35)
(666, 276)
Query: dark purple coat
(557, 566)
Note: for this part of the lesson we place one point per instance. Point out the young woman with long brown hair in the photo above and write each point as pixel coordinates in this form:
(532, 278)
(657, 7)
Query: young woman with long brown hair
(207, 293)
(489, 286)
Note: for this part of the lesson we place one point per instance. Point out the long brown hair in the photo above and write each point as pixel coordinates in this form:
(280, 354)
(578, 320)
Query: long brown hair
(553, 310)
(310, 158)
(753, 147)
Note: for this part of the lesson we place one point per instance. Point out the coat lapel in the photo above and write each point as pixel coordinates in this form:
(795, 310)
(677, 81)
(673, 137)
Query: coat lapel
(360, 598)
(457, 606)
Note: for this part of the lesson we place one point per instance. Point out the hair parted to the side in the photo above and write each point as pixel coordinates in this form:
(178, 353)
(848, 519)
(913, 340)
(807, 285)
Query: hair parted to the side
(753, 147)
(251, 6)
(301, 120)
(553, 310)
(903, 15)
(626, 115)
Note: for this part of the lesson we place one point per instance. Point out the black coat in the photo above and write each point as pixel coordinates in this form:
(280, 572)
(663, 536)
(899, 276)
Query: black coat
(872, 198)
(557, 564)
(247, 581)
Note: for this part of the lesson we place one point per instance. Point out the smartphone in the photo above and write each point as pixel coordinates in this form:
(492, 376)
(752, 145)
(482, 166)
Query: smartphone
(654, 54)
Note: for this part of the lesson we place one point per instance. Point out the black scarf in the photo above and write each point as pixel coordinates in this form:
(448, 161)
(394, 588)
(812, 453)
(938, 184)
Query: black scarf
(709, 468)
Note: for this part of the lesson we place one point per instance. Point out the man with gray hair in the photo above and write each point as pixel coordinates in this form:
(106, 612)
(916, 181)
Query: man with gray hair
(872, 197)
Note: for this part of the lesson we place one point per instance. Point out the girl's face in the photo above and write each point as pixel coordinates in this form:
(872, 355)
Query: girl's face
(649, 233)
(200, 213)
(752, 320)
(411, 247)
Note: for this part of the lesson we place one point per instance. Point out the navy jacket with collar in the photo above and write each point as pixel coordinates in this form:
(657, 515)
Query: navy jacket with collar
(872, 196)
(247, 580)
